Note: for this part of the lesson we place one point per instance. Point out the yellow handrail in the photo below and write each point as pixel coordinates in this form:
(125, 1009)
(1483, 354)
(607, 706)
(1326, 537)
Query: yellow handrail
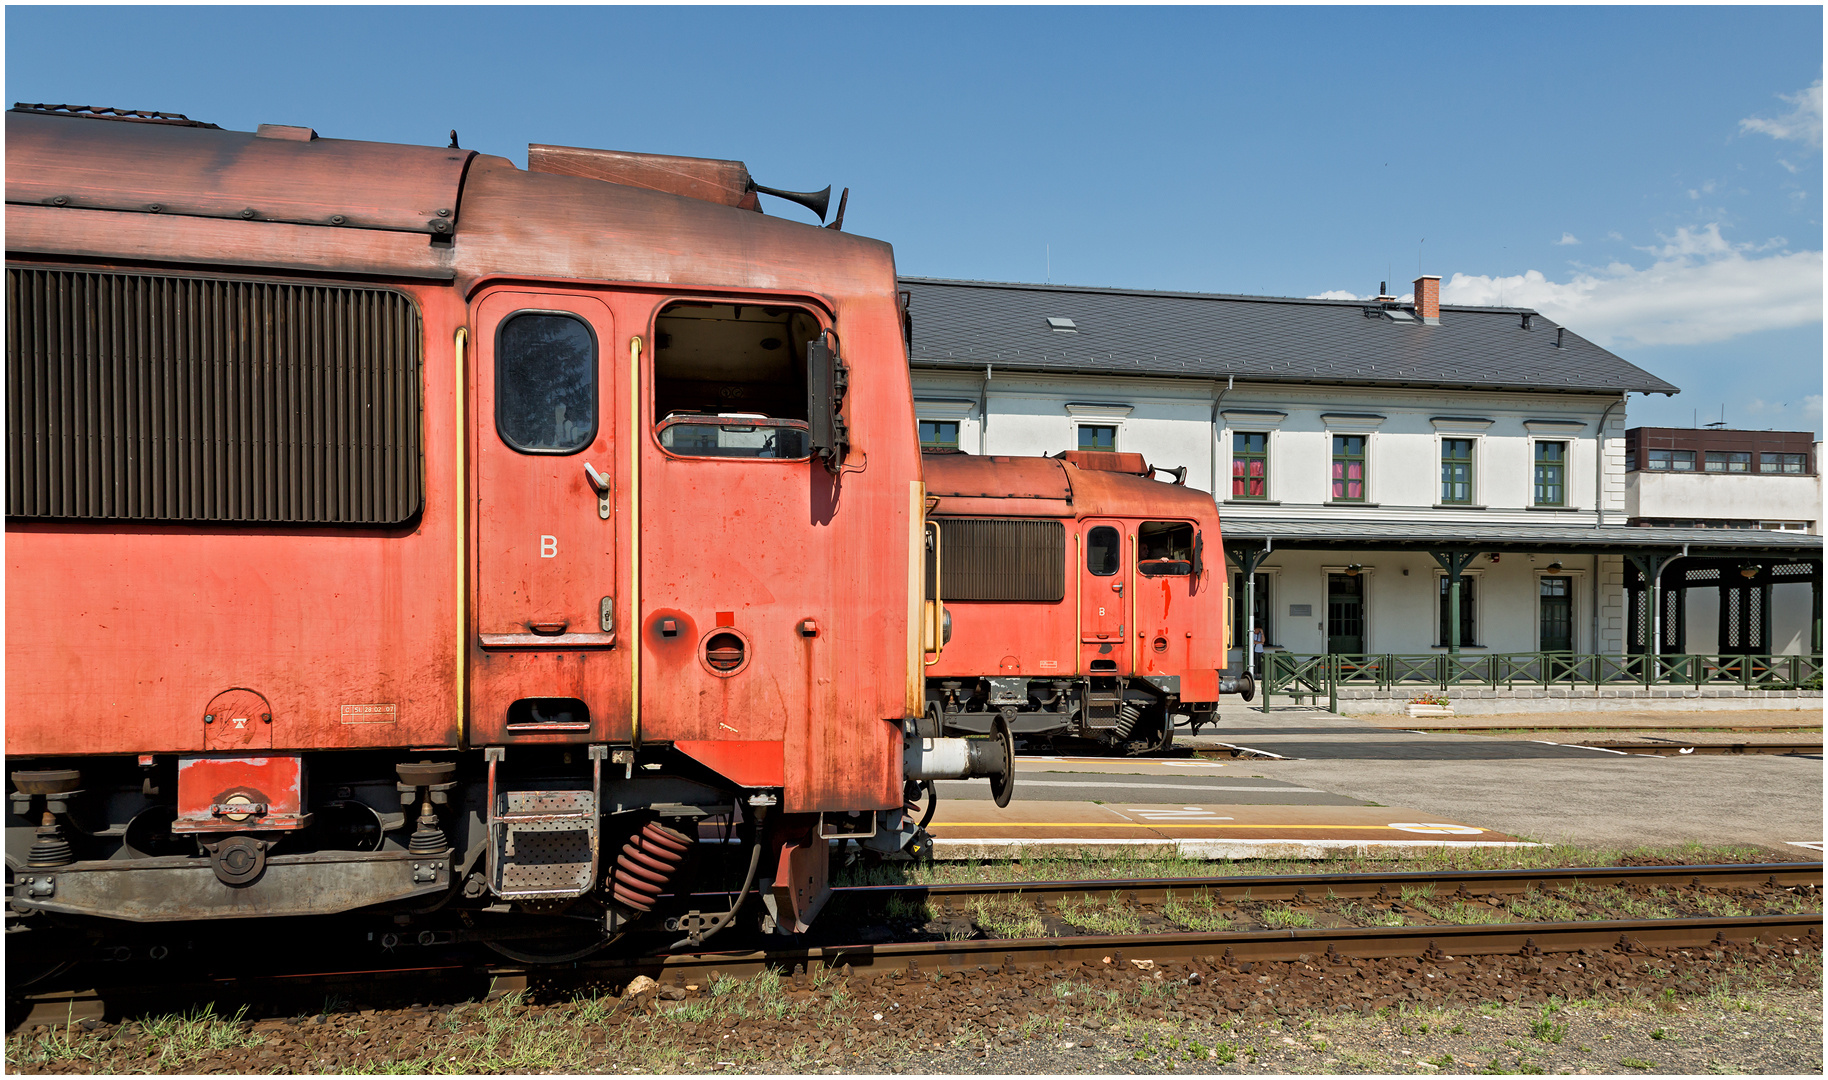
(460, 343)
(635, 434)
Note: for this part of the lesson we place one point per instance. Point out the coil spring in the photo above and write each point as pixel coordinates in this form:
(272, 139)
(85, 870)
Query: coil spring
(1127, 715)
(647, 864)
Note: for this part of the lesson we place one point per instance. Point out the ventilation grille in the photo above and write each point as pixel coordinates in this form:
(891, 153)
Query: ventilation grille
(984, 559)
(167, 399)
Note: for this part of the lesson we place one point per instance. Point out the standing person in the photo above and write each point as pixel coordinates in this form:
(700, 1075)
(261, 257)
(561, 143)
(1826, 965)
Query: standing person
(1256, 648)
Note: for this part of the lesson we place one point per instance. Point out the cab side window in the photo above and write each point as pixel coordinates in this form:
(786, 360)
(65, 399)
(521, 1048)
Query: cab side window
(730, 379)
(546, 382)
(1103, 551)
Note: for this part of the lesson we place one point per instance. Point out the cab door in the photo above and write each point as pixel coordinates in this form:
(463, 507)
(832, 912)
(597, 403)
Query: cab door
(544, 566)
(1104, 601)
(1167, 618)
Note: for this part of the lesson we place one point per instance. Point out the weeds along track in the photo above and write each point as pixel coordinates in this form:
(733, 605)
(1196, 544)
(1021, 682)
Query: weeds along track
(1011, 927)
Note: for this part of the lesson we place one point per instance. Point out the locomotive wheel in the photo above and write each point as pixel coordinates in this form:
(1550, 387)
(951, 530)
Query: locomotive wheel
(1003, 788)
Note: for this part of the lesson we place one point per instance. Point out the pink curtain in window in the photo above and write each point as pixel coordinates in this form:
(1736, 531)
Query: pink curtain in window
(1246, 485)
(1348, 479)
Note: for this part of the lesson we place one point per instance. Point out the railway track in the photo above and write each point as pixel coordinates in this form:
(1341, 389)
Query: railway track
(1304, 887)
(1676, 749)
(1435, 940)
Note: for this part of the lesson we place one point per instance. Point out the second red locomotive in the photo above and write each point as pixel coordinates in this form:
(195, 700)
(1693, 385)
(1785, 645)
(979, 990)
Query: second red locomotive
(1084, 600)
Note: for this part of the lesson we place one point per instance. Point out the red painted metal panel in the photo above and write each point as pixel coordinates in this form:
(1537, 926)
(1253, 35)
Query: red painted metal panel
(748, 764)
(118, 637)
(210, 789)
(73, 163)
(237, 720)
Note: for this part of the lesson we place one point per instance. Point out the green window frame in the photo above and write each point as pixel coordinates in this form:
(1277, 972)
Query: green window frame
(1250, 465)
(1098, 437)
(1551, 473)
(1350, 482)
(1457, 471)
(939, 434)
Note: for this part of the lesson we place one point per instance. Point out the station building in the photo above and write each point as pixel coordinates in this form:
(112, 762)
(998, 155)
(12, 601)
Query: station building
(1366, 454)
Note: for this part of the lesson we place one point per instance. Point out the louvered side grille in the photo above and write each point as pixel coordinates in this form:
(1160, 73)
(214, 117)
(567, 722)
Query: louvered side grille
(989, 559)
(176, 399)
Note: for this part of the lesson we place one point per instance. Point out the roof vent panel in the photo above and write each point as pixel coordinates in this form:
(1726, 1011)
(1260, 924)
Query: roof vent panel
(1062, 326)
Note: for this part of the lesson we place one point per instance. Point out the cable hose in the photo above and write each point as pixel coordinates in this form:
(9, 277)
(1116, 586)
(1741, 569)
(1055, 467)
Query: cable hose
(695, 940)
(932, 803)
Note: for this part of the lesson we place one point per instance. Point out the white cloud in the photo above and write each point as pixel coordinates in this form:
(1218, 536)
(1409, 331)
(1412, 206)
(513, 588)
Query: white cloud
(1615, 235)
(1699, 289)
(1347, 294)
(1567, 239)
(1803, 122)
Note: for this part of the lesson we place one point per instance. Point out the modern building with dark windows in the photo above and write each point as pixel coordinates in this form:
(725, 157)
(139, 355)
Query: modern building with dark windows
(1393, 476)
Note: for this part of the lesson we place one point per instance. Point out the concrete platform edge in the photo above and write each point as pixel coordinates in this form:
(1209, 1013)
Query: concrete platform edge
(953, 850)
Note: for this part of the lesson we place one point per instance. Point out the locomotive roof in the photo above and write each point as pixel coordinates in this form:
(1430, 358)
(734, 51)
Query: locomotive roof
(287, 198)
(1002, 486)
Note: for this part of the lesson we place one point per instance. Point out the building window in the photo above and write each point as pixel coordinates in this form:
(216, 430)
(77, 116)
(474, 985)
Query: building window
(1672, 460)
(939, 434)
(1785, 526)
(1250, 465)
(1467, 623)
(1348, 468)
(1551, 474)
(1728, 461)
(1098, 437)
(1456, 470)
(1782, 463)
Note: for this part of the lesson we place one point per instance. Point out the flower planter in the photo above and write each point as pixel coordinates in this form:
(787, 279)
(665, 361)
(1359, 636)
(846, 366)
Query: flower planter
(1418, 711)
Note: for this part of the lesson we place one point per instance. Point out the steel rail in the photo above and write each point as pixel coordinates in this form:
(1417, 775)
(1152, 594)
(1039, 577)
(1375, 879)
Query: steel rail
(1674, 749)
(1301, 888)
(1365, 943)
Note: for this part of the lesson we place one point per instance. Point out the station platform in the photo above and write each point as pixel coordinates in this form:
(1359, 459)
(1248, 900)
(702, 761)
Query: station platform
(1207, 830)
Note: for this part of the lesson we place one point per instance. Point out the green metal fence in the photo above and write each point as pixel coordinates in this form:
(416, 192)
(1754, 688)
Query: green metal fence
(1291, 674)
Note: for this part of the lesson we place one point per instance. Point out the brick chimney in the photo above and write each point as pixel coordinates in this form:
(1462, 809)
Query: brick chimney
(1428, 299)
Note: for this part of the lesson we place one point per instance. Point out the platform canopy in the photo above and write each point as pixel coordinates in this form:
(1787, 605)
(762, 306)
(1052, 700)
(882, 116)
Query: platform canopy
(1306, 534)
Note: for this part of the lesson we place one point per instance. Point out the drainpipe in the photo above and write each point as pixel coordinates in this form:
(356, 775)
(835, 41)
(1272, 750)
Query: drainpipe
(983, 413)
(1599, 513)
(1229, 379)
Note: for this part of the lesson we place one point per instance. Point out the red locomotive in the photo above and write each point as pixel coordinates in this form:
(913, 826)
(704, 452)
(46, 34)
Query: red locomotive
(392, 528)
(1086, 601)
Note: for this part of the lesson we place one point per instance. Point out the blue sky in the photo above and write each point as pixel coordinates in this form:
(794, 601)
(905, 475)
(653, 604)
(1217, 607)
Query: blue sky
(1650, 176)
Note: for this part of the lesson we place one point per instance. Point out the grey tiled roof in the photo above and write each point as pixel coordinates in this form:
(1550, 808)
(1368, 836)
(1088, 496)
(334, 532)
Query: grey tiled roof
(969, 324)
(1308, 533)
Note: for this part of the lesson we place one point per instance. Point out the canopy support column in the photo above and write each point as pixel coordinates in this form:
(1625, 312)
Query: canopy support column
(1453, 561)
(1248, 559)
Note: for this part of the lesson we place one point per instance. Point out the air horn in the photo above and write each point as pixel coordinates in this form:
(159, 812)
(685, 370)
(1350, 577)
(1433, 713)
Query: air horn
(816, 201)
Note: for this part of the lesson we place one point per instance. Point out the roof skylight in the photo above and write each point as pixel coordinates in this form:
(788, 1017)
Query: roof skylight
(1063, 326)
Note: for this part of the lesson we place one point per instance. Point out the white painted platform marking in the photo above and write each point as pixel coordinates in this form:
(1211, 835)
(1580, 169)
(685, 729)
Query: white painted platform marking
(1436, 827)
(1812, 845)
(1191, 814)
